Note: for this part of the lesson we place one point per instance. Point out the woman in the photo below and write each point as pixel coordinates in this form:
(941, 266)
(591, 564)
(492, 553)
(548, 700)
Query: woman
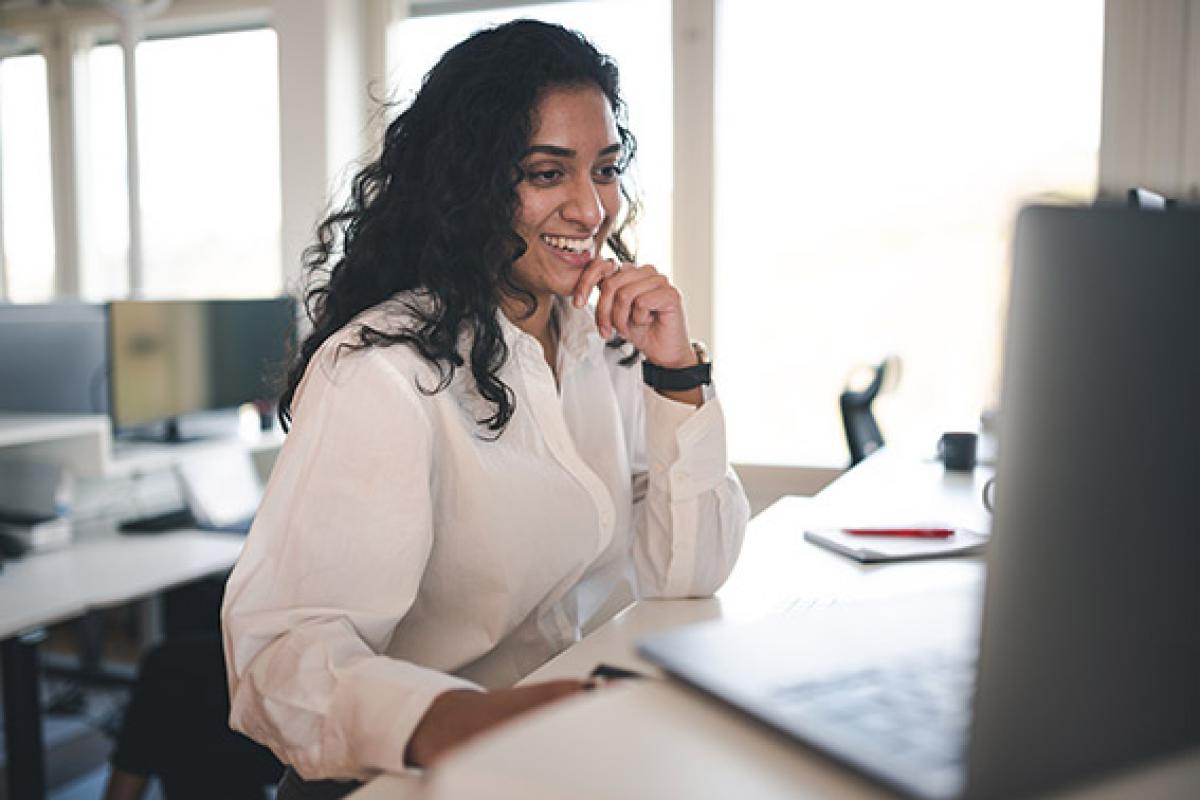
(476, 473)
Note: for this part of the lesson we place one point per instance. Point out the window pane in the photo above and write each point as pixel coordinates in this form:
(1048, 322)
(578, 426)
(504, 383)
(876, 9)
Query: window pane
(27, 211)
(870, 161)
(635, 33)
(209, 137)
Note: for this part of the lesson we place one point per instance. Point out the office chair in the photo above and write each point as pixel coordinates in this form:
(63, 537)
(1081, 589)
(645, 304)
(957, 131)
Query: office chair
(858, 420)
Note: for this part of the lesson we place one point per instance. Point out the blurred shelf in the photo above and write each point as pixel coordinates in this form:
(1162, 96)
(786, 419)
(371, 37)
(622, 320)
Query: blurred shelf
(83, 443)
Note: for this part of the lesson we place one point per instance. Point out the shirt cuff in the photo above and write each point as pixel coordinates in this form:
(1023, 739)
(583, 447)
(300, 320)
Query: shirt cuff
(425, 690)
(686, 442)
(378, 730)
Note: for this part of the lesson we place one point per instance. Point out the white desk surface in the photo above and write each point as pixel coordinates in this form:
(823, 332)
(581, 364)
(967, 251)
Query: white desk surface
(656, 739)
(103, 568)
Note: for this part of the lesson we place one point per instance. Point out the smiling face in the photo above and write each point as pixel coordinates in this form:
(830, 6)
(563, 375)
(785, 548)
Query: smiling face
(570, 191)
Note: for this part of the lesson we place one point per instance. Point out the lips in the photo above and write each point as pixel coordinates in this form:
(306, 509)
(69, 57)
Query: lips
(570, 244)
(576, 251)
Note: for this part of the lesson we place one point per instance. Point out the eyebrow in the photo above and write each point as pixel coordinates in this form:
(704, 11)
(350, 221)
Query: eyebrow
(566, 152)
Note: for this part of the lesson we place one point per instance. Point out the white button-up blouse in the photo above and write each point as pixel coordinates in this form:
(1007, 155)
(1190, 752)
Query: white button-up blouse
(398, 552)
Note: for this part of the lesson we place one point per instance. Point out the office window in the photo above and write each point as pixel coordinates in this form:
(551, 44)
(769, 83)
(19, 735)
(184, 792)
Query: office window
(208, 130)
(636, 33)
(870, 161)
(26, 201)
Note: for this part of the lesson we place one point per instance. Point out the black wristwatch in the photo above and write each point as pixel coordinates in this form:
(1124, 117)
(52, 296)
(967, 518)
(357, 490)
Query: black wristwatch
(683, 378)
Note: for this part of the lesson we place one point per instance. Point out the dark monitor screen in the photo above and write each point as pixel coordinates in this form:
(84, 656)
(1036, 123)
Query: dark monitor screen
(177, 357)
(52, 358)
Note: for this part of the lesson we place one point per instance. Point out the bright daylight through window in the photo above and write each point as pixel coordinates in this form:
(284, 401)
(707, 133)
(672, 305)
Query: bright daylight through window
(209, 150)
(26, 212)
(870, 161)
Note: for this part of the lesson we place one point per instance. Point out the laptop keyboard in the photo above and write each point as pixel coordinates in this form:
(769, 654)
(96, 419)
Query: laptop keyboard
(918, 710)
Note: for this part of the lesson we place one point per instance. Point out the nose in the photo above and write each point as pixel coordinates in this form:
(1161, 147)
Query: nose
(584, 206)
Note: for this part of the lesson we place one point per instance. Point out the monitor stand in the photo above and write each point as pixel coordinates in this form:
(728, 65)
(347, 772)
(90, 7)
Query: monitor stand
(173, 431)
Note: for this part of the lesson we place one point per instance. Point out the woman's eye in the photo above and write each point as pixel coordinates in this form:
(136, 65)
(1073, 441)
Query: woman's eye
(608, 173)
(544, 176)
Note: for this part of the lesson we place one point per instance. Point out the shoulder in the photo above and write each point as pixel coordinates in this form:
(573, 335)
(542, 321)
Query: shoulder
(348, 360)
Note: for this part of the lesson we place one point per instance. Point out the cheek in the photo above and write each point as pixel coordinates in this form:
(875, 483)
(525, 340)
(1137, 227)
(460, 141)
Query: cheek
(610, 198)
(525, 219)
(527, 224)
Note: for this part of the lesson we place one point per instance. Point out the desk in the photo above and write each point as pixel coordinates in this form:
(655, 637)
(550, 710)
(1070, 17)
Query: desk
(657, 739)
(99, 569)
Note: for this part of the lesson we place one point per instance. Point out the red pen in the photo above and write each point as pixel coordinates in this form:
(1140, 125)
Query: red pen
(913, 533)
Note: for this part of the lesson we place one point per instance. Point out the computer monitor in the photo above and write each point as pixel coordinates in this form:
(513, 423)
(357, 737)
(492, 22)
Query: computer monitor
(52, 358)
(171, 358)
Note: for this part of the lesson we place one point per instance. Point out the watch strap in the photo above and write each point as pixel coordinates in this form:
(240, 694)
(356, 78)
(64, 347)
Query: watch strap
(679, 379)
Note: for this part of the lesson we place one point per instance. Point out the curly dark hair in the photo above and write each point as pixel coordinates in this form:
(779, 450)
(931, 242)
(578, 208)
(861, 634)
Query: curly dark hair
(435, 211)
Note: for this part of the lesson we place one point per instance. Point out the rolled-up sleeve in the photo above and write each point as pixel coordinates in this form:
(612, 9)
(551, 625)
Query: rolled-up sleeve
(331, 566)
(690, 509)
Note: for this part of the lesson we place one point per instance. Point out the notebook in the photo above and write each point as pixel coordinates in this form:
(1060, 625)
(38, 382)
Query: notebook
(882, 549)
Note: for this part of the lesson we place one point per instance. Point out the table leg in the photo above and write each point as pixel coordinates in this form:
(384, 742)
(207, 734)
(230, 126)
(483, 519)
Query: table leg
(23, 716)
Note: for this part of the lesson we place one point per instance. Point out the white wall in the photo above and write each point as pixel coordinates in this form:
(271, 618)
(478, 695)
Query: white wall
(330, 52)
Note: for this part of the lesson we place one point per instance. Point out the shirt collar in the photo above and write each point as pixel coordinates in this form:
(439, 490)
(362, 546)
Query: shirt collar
(577, 334)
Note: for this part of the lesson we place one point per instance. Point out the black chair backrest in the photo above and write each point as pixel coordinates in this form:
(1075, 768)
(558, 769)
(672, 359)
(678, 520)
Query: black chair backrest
(862, 431)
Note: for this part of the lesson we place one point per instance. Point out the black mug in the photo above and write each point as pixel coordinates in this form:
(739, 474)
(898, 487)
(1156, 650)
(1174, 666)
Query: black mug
(957, 450)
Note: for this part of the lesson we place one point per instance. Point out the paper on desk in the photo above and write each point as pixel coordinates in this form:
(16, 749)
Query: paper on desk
(880, 549)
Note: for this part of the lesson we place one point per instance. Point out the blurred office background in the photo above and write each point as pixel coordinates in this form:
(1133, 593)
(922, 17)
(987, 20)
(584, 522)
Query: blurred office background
(827, 182)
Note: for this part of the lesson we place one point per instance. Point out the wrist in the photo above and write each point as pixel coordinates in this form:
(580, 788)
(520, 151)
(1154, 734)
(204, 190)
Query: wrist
(438, 727)
(688, 358)
(681, 375)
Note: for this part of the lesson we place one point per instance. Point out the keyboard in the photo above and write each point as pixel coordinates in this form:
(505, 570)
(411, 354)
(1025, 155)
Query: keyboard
(181, 518)
(918, 710)
(159, 523)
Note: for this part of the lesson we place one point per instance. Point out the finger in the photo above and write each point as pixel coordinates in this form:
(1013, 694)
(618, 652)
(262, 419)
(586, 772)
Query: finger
(524, 698)
(626, 295)
(595, 272)
(549, 691)
(608, 285)
(648, 305)
(618, 291)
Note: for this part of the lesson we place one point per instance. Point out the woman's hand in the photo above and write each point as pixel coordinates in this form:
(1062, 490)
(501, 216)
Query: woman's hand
(457, 715)
(642, 306)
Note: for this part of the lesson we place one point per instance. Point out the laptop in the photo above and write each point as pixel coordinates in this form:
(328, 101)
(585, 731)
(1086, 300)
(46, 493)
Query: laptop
(1081, 655)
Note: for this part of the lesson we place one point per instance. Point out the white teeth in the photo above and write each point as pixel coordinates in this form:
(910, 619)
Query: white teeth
(570, 245)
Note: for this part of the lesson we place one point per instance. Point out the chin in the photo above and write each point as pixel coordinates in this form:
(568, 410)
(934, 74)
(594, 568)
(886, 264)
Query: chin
(563, 280)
